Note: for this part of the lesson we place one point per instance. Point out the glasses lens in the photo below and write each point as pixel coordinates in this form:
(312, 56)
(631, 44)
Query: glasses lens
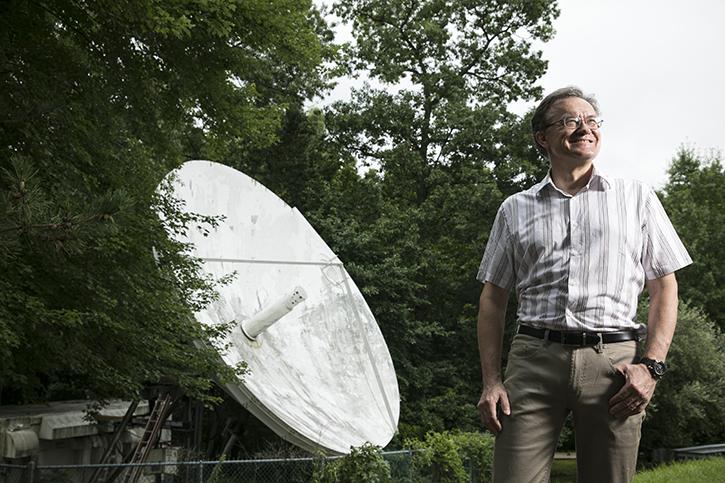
(594, 123)
(571, 122)
(574, 122)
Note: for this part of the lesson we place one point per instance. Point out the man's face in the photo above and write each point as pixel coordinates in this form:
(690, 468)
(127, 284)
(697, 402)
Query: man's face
(578, 145)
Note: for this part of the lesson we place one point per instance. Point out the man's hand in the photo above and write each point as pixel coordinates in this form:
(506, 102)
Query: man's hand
(636, 393)
(492, 397)
(491, 314)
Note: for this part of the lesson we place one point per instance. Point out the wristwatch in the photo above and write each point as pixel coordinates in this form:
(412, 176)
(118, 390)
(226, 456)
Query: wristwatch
(656, 368)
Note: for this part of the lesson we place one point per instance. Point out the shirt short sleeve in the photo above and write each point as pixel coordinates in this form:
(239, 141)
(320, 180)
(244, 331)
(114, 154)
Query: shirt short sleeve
(497, 265)
(664, 252)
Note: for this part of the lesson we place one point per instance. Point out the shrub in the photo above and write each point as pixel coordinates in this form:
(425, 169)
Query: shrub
(443, 457)
(365, 463)
(476, 449)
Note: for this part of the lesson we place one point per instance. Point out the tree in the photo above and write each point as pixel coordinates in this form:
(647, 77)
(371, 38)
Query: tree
(463, 61)
(441, 153)
(694, 198)
(98, 101)
(689, 405)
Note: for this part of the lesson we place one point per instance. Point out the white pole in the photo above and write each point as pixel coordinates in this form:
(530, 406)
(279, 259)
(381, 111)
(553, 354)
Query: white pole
(260, 321)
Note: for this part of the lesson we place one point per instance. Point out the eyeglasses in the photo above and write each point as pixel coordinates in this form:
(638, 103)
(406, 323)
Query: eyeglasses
(575, 122)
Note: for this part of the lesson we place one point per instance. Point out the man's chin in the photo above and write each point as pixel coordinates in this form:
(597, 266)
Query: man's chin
(585, 154)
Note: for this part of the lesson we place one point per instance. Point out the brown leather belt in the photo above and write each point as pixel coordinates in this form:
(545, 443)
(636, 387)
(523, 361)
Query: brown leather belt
(580, 339)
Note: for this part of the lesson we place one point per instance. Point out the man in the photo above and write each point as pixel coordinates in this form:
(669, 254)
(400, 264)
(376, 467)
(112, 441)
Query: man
(578, 247)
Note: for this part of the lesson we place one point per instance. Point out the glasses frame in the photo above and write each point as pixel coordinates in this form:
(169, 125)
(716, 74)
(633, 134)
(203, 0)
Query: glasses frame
(579, 122)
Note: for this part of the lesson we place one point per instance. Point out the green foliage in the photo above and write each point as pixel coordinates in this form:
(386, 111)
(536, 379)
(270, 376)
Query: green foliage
(449, 46)
(364, 463)
(452, 457)
(459, 63)
(440, 153)
(567, 437)
(695, 471)
(688, 407)
(87, 311)
(694, 198)
(98, 101)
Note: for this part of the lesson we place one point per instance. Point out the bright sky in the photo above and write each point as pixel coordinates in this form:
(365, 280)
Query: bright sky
(657, 69)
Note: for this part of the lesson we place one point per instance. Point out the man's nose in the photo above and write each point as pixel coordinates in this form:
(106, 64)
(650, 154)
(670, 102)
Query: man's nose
(583, 126)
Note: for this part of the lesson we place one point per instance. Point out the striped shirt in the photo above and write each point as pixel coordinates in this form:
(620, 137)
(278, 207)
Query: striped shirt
(580, 262)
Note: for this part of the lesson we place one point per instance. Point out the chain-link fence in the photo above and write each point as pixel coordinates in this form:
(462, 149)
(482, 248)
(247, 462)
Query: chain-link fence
(16, 473)
(290, 470)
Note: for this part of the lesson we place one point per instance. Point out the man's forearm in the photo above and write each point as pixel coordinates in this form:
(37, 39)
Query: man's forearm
(491, 315)
(636, 393)
(662, 316)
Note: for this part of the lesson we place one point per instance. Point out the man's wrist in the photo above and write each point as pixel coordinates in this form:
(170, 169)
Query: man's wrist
(657, 369)
(492, 381)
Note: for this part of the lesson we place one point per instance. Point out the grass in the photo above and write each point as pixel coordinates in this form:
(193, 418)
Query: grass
(563, 471)
(696, 471)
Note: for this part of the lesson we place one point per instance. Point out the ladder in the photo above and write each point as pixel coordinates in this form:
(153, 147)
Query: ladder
(150, 436)
(100, 470)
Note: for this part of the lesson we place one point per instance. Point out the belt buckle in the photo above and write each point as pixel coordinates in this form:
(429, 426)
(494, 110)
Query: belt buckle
(597, 339)
(583, 341)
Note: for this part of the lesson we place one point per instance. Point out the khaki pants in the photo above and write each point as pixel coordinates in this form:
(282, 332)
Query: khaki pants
(545, 381)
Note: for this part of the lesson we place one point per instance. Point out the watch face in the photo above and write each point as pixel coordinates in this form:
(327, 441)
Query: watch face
(656, 368)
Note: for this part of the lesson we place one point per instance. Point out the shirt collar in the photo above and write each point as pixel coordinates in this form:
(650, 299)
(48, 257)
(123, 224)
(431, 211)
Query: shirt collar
(598, 181)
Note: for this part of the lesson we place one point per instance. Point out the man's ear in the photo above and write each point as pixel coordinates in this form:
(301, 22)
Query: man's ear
(540, 138)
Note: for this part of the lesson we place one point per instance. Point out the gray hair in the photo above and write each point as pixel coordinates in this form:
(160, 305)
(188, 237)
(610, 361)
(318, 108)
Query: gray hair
(539, 120)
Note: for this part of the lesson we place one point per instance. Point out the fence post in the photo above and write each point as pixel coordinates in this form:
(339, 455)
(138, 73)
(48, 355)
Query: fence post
(31, 471)
(200, 473)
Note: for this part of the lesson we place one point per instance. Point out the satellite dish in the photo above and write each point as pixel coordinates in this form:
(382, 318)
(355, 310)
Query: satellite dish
(320, 375)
